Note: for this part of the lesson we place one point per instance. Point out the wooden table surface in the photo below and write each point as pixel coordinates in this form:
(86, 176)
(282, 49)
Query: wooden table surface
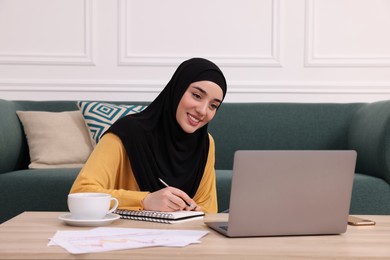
(26, 237)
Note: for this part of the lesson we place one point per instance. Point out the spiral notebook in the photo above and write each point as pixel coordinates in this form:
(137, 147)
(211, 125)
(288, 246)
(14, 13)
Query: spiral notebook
(159, 216)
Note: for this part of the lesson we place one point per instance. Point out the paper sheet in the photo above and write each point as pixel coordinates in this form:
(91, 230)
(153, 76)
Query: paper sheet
(107, 239)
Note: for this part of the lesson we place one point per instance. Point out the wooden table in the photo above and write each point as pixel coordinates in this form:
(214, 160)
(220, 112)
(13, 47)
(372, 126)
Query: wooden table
(26, 237)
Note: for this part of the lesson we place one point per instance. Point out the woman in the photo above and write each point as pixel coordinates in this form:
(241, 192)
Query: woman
(167, 142)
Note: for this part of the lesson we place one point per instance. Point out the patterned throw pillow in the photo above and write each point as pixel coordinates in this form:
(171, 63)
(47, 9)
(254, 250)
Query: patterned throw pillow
(100, 116)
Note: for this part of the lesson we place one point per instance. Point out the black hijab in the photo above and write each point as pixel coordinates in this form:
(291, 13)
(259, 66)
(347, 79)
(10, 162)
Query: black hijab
(156, 144)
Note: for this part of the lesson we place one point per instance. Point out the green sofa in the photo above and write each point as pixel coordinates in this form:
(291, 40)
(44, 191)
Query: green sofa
(364, 127)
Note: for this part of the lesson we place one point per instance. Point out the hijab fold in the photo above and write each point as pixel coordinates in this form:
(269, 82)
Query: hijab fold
(155, 143)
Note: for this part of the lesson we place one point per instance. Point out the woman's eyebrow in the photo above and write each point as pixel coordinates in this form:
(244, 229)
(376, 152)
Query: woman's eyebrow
(205, 93)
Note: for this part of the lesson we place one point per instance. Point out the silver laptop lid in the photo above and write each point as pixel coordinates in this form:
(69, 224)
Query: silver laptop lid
(290, 192)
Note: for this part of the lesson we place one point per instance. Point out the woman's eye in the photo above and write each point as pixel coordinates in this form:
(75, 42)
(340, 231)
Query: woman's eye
(213, 106)
(195, 95)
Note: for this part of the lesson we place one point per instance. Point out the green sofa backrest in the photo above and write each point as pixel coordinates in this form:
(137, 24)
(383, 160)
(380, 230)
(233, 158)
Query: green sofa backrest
(364, 127)
(279, 126)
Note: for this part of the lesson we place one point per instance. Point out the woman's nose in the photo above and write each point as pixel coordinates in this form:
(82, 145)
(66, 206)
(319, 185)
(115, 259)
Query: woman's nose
(201, 109)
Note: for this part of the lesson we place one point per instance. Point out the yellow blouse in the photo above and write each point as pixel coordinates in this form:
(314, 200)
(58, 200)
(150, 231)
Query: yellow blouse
(108, 170)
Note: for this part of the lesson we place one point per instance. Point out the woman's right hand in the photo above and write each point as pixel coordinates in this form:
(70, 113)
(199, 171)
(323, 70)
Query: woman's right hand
(169, 199)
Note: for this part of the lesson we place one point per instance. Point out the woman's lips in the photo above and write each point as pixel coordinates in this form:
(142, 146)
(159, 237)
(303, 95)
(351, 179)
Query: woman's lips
(193, 120)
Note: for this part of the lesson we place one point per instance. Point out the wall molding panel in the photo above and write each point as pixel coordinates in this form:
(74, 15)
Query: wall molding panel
(334, 58)
(269, 50)
(129, 57)
(83, 57)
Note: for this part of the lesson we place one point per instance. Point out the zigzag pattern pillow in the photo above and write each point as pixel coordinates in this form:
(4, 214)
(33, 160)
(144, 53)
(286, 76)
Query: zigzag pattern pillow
(100, 116)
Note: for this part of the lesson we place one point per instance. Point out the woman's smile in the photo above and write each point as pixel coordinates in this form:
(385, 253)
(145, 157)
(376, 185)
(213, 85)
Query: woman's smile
(193, 120)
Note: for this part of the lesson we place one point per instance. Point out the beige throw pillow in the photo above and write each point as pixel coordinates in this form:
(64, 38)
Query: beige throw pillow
(56, 139)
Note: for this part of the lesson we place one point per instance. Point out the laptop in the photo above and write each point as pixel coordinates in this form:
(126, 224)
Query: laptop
(289, 193)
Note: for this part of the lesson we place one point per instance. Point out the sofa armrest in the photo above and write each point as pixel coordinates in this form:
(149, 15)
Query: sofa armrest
(369, 135)
(11, 134)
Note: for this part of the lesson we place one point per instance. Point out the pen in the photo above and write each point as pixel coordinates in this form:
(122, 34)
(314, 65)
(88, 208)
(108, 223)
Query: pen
(163, 182)
(166, 185)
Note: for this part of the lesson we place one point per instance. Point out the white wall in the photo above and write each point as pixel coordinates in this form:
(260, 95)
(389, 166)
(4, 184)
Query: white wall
(270, 50)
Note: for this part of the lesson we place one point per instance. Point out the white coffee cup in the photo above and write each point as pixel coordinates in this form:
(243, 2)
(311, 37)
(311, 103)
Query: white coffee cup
(91, 205)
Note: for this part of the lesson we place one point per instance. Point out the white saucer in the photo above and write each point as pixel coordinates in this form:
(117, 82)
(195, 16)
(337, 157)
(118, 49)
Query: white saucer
(108, 219)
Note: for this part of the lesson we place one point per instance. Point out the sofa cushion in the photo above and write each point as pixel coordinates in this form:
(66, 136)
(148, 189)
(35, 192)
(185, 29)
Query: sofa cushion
(100, 116)
(35, 190)
(224, 185)
(56, 139)
(370, 195)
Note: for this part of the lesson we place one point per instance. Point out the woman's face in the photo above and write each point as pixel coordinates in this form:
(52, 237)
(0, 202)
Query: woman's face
(198, 105)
